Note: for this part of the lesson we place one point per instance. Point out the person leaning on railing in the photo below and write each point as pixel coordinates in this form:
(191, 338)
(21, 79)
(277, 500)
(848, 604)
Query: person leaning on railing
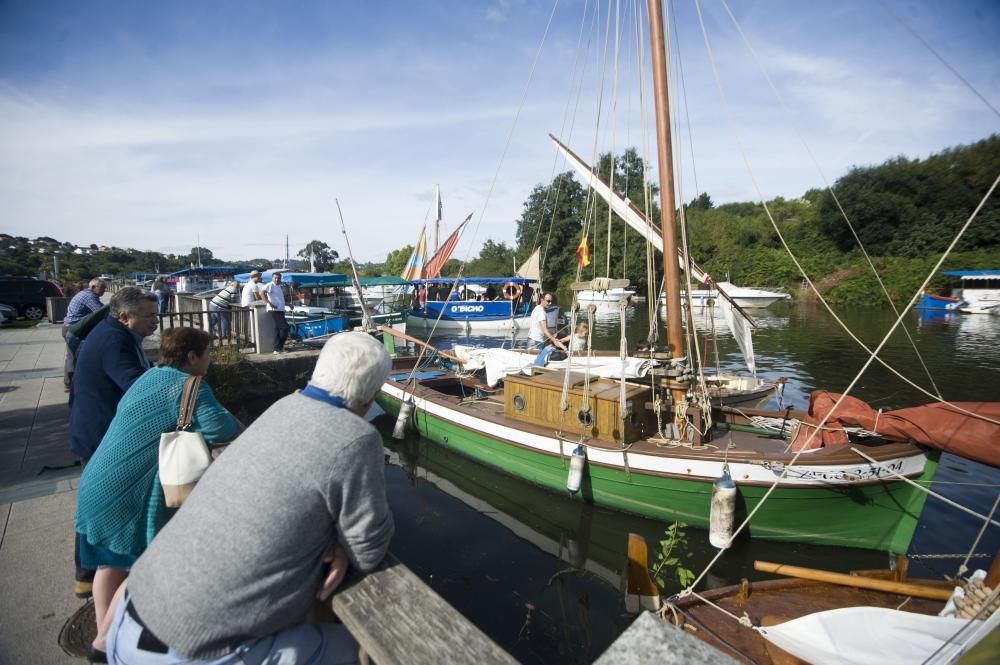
(219, 308)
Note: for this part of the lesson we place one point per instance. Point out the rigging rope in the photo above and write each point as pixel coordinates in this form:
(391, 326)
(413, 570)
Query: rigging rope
(836, 199)
(873, 355)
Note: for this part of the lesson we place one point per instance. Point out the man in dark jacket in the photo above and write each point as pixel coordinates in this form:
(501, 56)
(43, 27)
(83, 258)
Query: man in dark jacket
(107, 363)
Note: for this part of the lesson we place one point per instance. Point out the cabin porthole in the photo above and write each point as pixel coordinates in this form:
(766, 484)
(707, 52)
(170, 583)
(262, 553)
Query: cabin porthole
(519, 402)
(585, 418)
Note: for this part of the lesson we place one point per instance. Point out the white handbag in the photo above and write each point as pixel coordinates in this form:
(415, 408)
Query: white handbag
(184, 455)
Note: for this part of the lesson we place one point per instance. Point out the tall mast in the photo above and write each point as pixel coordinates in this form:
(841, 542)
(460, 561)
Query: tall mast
(671, 273)
(437, 222)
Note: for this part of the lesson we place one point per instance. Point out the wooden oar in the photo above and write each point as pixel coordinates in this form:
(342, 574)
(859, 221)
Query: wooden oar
(396, 333)
(902, 588)
(640, 591)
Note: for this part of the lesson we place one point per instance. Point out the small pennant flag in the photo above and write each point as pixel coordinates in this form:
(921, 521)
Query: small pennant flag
(583, 253)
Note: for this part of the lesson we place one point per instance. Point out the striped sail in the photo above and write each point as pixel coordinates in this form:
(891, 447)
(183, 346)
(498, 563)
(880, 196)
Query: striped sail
(414, 267)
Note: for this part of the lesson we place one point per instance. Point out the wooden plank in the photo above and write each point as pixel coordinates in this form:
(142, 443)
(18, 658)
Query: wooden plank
(397, 618)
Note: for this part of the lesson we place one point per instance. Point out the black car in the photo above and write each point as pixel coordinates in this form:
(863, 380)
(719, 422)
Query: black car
(27, 295)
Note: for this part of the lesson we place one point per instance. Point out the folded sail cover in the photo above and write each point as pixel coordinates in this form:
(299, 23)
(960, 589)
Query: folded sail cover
(967, 429)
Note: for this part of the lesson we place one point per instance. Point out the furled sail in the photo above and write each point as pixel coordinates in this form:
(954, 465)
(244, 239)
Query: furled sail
(967, 429)
(414, 267)
(441, 256)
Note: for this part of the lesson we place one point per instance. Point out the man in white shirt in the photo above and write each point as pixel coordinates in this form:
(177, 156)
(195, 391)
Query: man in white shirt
(274, 297)
(538, 329)
(251, 291)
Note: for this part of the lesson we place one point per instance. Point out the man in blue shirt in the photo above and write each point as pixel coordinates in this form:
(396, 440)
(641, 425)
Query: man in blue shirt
(83, 303)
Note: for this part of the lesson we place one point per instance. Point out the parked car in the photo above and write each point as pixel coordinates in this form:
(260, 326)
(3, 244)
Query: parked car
(27, 295)
(7, 314)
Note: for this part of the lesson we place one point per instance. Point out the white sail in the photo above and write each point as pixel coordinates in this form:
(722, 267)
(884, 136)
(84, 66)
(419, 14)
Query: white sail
(741, 333)
(531, 269)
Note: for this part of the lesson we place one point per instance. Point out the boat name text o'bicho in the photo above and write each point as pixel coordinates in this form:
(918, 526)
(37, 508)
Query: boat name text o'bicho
(464, 309)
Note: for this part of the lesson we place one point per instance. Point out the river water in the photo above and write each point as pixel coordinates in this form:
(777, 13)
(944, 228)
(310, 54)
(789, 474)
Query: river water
(539, 572)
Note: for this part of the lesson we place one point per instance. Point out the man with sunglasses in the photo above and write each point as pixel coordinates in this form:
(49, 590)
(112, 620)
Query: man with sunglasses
(538, 331)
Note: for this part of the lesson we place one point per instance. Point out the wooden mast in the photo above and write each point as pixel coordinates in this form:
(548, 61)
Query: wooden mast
(671, 273)
(664, 152)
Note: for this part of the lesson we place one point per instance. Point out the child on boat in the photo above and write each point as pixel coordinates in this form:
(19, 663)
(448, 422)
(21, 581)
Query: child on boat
(577, 342)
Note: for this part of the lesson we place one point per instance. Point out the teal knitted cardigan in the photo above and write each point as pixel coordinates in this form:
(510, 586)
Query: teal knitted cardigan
(120, 504)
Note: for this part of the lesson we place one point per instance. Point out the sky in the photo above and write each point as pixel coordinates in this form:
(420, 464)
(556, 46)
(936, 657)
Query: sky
(162, 125)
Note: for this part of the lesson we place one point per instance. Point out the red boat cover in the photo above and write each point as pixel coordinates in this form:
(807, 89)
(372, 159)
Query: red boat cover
(936, 425)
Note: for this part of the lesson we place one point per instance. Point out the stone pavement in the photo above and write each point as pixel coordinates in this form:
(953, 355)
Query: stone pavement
(37, 498)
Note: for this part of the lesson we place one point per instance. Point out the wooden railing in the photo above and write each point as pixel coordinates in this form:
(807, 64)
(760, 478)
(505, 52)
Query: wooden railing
(240, 329)
(398, 619)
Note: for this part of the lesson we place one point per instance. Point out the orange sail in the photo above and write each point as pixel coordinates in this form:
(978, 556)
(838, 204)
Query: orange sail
(433, 267)
(967, 429)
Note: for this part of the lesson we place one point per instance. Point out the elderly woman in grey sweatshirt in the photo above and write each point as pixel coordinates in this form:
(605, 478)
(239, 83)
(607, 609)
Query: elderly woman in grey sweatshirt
(272, 525)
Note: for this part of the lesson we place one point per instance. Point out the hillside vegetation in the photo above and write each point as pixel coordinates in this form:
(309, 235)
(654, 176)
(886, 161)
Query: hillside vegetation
(905, 212)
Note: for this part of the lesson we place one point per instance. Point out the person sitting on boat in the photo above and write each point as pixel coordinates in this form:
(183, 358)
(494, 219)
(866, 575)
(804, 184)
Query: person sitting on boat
(272, 526)
(538, 330)
(577, 340)
(491, 294)
(120, 505)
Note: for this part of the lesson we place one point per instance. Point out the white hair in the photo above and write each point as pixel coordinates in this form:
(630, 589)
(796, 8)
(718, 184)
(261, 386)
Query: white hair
(352, 366)
(97, 281)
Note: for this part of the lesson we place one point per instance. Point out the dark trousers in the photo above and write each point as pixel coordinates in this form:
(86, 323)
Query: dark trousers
(280, 330)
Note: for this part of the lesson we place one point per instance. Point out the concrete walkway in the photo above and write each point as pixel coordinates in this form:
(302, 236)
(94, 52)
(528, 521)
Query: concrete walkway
(36, 500)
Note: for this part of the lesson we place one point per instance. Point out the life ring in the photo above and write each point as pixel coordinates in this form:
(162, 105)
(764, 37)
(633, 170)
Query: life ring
(511, 291)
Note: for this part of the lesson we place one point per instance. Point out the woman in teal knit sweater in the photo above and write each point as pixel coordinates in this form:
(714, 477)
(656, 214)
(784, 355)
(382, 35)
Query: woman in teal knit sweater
(120, 504)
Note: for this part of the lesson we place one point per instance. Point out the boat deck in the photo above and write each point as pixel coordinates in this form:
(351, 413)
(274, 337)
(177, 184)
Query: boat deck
(472, 396)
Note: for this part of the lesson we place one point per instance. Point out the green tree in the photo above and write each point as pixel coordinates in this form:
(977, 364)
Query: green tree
(396, 260)
(198, 254)
(552, 219)
(496, 259)
(322, 255)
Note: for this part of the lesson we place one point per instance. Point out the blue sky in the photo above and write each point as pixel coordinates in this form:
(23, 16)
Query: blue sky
(151, 124)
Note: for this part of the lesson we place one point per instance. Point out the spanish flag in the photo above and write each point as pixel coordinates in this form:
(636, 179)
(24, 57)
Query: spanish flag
(583, 253)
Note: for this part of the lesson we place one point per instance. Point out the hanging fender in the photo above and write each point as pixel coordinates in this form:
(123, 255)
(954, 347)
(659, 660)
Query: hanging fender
(722, 514)
(576, 463)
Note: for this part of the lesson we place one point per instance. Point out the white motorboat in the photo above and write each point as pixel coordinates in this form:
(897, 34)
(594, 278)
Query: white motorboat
(744, 296)
(611, 296)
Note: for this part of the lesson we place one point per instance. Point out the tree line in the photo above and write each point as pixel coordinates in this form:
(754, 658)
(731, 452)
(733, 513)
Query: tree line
(905, 212)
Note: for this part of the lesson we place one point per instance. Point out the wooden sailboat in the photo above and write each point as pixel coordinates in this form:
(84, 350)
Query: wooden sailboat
(810, 615)
(652, 444)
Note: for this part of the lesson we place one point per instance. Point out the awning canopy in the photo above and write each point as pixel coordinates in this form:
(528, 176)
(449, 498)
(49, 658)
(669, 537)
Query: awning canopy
(211, 270)
(974, 274)
(474, 280)
(300, 279)
(382, 280)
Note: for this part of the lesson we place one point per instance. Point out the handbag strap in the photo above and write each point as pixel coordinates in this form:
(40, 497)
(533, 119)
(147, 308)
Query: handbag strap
(189, 396)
